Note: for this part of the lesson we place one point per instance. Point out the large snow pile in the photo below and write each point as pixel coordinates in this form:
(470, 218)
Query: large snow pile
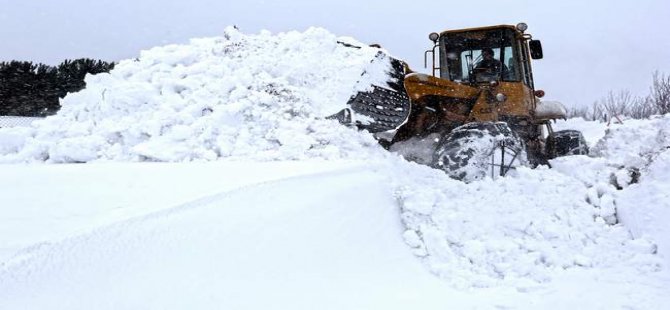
(253, 96)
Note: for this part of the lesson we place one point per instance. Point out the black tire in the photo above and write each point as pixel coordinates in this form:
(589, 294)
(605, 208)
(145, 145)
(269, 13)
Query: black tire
(565, 143)
(476, 150)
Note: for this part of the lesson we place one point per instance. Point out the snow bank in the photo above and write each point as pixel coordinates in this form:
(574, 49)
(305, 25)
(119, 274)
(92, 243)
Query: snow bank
(238, 96)
(640, 149)
(523, 228)
(645, 207)
(634, 142)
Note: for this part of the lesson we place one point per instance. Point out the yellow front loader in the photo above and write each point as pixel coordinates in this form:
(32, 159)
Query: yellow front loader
(478, 112)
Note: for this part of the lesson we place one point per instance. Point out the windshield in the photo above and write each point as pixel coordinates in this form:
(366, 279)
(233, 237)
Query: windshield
(480, 56)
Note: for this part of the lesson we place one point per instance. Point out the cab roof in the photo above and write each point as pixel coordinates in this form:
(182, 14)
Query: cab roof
(511, 27)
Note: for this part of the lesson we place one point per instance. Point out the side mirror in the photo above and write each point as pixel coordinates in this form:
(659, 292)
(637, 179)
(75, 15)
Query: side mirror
(535, 49)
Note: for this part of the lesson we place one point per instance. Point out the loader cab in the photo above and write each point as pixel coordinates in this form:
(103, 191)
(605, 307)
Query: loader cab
(462, 56)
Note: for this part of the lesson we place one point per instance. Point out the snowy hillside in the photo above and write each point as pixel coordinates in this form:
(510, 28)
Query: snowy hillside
(272, 206)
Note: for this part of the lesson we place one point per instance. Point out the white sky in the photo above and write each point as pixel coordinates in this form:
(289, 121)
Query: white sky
(590, 47)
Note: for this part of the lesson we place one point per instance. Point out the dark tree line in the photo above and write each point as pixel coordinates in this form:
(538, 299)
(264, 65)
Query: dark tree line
(28, 89)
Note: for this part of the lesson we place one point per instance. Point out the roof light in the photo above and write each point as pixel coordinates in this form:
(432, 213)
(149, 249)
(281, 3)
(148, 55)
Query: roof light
(521, 27)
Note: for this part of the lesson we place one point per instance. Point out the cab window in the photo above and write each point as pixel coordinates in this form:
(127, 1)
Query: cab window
(466, 60)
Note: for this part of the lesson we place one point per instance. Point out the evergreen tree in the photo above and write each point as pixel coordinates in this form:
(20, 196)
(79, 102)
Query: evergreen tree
(27, 89)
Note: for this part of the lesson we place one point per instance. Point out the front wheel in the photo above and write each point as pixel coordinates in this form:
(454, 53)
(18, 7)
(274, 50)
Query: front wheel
(476, 150)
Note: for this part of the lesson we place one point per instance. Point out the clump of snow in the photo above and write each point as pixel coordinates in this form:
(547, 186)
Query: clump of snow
(258, 96)
(418, 149)
(13, 139)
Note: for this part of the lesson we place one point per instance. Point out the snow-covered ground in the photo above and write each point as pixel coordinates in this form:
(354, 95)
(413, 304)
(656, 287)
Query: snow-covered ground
(17, 121)
(259, 202)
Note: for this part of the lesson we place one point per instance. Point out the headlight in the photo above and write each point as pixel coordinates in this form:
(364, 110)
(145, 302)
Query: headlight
(521, 27)
(501, 97)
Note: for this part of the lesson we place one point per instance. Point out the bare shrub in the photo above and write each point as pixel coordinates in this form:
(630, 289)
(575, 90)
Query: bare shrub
(642, 108)
(617, 104)
(623, 103)
(598, 112)
(660, 93)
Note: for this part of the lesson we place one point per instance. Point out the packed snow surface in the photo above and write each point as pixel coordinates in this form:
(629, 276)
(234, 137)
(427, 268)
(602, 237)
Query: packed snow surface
(348, 216)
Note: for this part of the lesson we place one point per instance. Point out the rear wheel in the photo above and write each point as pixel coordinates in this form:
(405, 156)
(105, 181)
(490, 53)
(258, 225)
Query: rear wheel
(565, 143)
(476, 150)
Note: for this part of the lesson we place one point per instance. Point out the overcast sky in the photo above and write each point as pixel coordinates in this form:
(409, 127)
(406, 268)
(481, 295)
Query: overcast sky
(590, 47)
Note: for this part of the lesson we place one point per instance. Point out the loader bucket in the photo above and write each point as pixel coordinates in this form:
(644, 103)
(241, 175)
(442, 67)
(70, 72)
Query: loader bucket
(380, 107)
